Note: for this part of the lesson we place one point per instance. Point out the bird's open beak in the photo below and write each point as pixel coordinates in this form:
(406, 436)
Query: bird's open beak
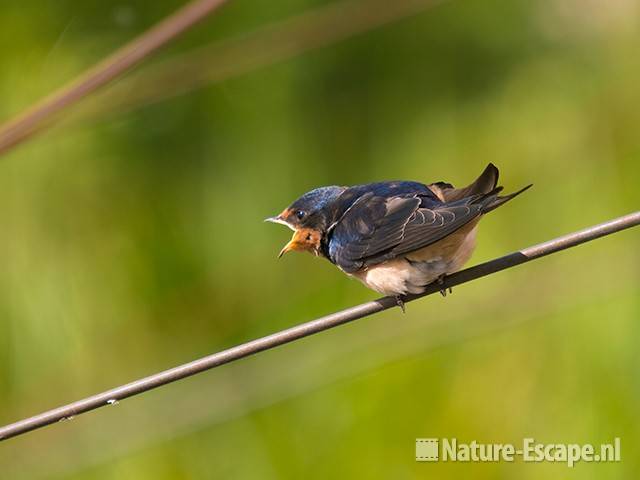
(296, 243)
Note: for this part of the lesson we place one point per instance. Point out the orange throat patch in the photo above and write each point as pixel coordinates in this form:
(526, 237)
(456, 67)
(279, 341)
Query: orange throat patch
(303, 240)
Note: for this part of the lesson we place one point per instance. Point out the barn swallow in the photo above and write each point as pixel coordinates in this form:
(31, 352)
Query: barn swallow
(395, 237)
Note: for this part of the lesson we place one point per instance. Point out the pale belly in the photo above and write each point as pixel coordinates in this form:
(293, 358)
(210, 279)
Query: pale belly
(412, 272)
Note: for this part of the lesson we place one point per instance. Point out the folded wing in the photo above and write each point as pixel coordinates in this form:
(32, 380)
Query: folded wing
(376, 229)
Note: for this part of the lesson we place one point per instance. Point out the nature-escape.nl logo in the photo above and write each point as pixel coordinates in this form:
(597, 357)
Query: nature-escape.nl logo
(450, 450)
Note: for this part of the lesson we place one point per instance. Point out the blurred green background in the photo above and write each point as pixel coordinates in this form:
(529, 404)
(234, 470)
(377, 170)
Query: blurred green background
(133, 241)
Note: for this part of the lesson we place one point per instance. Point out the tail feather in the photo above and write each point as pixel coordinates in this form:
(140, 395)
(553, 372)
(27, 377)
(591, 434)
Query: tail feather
(492, 200)
(484, 184)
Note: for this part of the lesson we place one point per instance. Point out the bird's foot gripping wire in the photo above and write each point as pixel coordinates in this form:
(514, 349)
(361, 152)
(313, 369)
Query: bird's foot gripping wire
(400, 303)
(440, 281)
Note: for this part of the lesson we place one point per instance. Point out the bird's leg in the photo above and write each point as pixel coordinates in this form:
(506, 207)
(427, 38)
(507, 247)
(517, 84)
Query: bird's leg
(440, 281)
(400, 303)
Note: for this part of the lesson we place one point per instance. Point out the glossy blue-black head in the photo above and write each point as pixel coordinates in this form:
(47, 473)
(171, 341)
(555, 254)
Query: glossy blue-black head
(307, 218)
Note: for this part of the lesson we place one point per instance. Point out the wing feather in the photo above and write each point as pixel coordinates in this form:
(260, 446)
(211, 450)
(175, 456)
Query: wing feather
(378, 228)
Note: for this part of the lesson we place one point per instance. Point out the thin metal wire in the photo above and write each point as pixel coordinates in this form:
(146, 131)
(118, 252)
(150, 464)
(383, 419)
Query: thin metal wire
(37, 117)
(117, 394)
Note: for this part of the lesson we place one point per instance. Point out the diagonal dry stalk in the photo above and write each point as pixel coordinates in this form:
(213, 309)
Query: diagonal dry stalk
(44, 112)
(183, 73)
(220, 61)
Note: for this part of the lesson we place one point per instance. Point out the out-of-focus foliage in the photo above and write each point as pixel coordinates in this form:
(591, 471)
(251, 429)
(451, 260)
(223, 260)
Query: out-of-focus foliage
(134, 243)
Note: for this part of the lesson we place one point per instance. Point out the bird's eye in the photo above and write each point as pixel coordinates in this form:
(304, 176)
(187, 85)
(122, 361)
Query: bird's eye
(300, 214)
(308, 237)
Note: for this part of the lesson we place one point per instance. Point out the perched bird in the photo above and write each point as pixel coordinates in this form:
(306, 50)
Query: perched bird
(395, 237)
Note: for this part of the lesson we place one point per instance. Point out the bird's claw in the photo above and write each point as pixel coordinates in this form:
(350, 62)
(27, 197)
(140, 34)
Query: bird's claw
(400, 303)
(440, 281)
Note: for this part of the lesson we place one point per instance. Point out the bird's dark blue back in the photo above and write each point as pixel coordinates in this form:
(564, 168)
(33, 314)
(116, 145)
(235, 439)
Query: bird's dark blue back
(396, 188)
